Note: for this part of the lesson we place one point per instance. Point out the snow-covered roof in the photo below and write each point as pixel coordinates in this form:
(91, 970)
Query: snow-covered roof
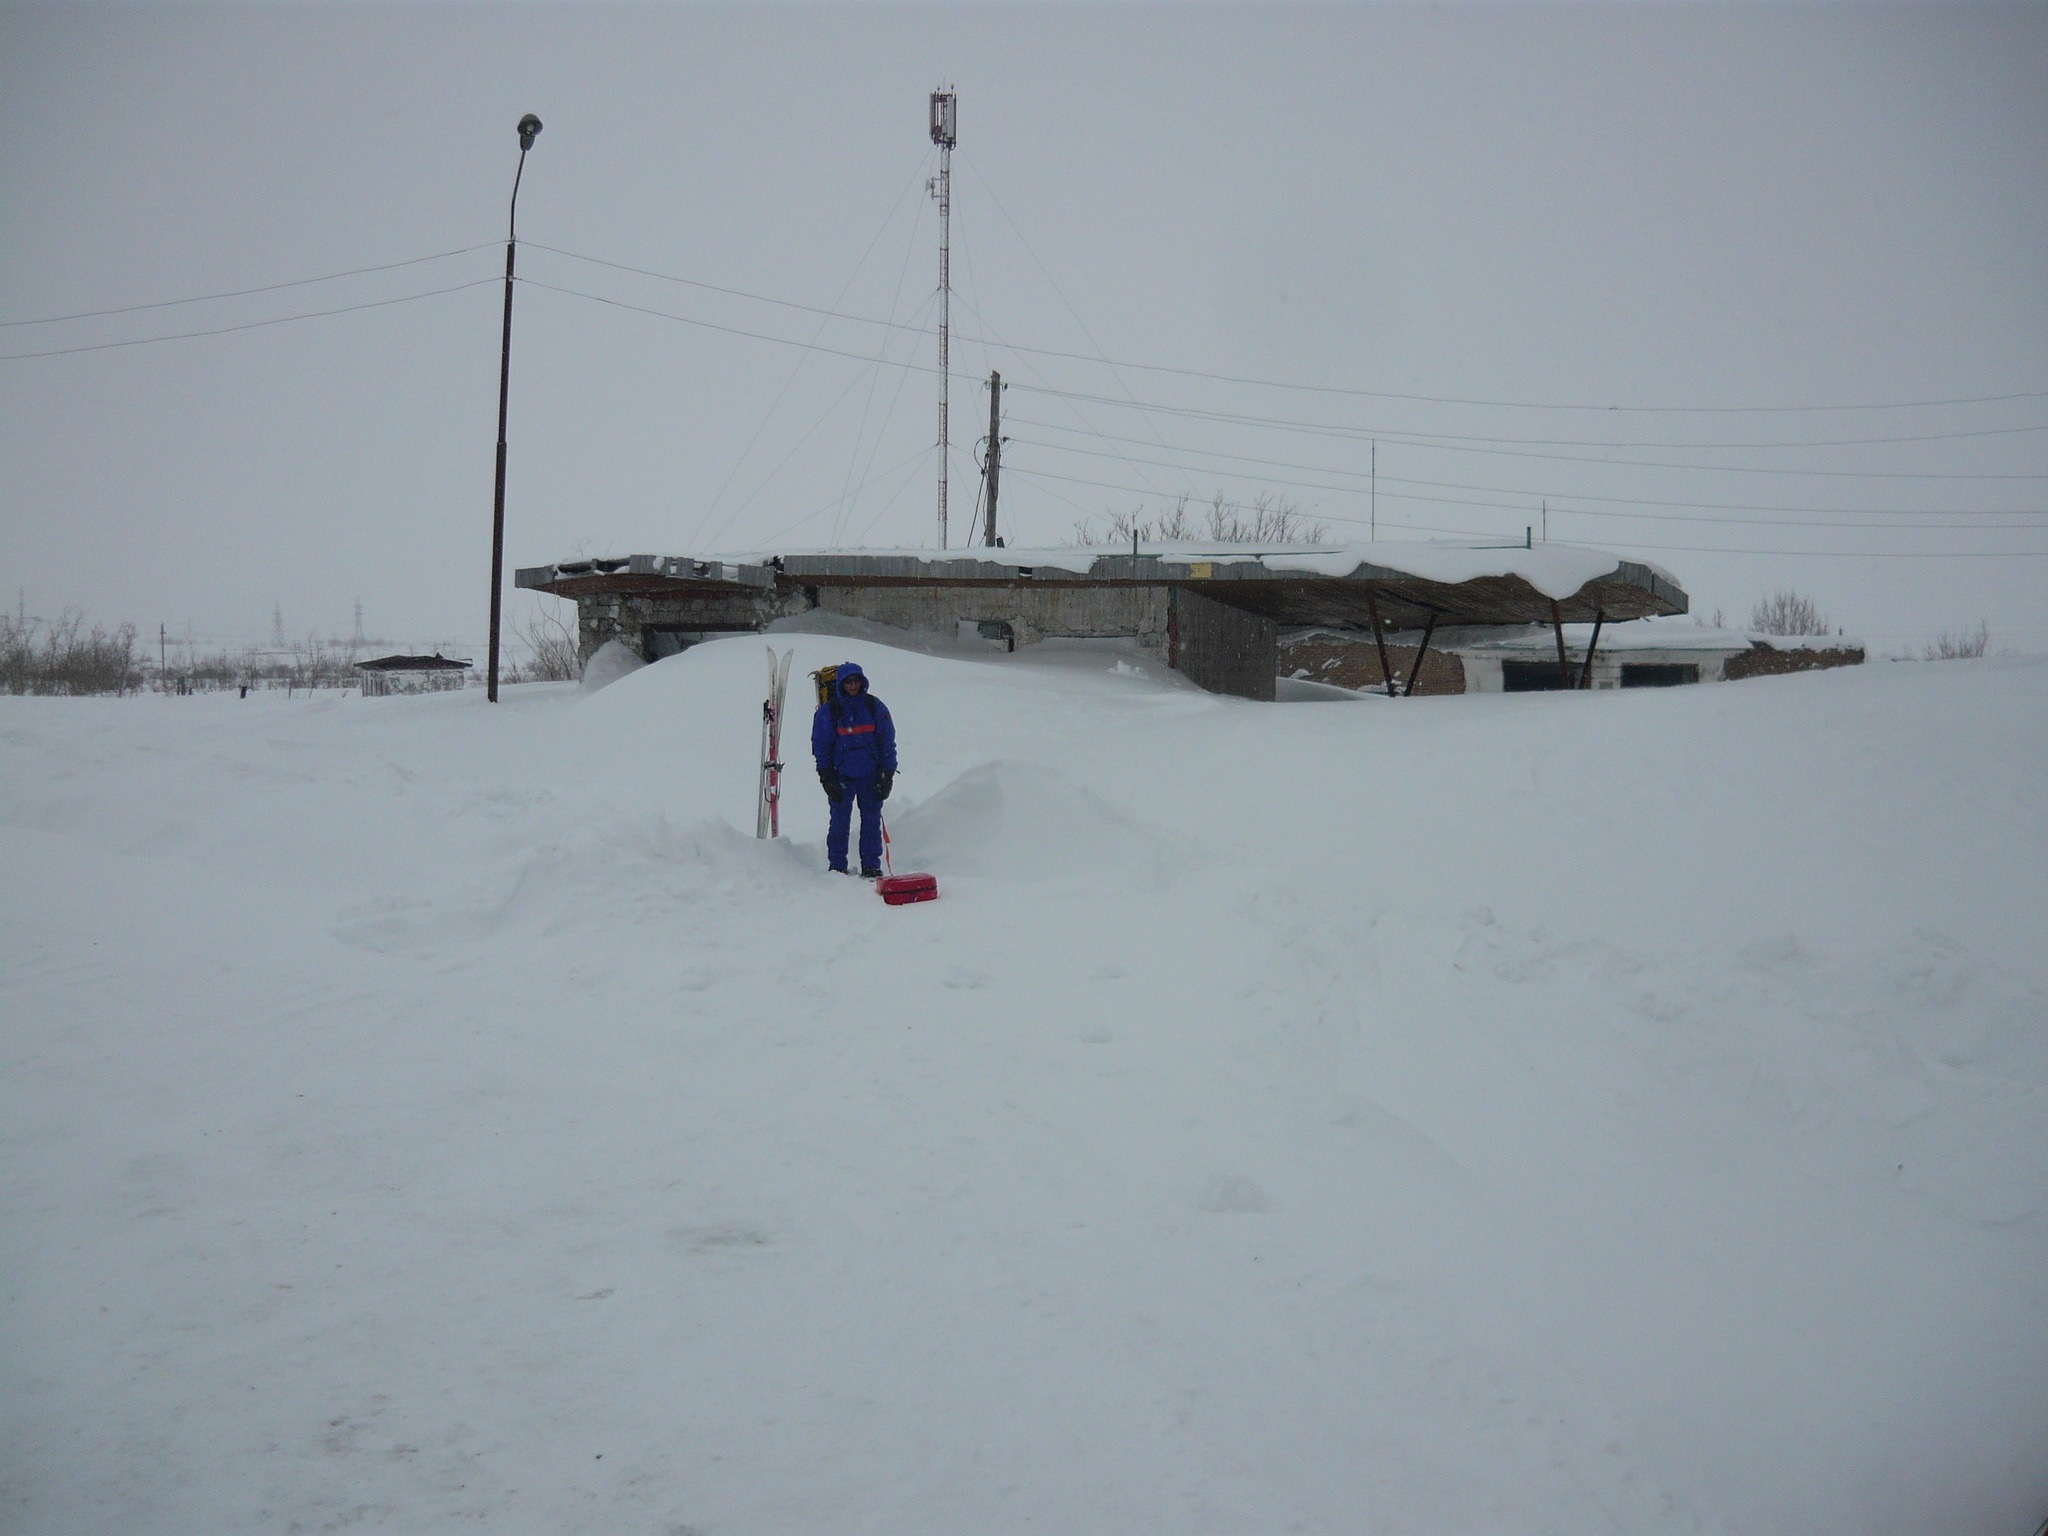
(434, 663)
(1555, 570)
(1386, 581)
(1808, 642)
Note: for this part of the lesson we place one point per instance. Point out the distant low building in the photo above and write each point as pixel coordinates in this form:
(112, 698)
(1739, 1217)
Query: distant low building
(1524, 659)
(411, 674)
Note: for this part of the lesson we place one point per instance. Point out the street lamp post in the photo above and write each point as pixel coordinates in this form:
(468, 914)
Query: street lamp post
(529, 129)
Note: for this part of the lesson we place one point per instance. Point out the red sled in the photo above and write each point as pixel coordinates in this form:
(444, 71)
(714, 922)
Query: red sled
(901, 890)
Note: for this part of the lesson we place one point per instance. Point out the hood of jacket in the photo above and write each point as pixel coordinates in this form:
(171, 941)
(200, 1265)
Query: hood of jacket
(851, 669)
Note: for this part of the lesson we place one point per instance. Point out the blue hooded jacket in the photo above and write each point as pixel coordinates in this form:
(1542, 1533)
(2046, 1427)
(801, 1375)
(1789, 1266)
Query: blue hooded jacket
(852, 735)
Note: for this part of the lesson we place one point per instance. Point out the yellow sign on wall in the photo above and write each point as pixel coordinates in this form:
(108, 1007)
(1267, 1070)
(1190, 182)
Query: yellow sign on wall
(1203, 569)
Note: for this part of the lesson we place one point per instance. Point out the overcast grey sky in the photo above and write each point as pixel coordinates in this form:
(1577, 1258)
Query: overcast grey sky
(1589, 209)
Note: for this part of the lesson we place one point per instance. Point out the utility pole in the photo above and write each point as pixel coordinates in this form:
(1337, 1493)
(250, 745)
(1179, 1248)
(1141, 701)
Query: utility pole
(1375, 490)
(995, 453)
(162, 663)
(529, 129)
(1546, 519)
(944, 123)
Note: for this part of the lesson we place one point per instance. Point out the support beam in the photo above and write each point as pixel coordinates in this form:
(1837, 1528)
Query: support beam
(1421, 651)
(1379, 635)
(1586, 672)
(1564, 665)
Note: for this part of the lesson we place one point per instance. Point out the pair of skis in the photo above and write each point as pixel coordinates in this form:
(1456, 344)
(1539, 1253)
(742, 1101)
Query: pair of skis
(768, 822)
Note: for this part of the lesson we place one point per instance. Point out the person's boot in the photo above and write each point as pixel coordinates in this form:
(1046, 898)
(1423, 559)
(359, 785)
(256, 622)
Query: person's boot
(869, 872)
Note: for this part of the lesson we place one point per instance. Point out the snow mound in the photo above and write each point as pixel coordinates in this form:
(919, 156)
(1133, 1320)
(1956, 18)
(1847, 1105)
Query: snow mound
(604, 881)
(1020, 821)
(610, 662)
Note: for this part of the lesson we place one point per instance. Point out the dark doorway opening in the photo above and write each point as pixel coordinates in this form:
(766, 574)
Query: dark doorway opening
(669, 639)
(1530, 677)
(1658, 674)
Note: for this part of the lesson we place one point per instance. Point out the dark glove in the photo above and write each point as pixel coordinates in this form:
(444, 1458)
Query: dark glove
(834, 790)
(885, 783)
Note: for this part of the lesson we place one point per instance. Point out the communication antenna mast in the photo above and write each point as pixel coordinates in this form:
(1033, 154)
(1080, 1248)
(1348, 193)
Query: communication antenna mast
(944, 135)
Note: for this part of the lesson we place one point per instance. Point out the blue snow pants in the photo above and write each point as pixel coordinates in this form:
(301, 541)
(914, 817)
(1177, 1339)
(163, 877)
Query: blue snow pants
(851, 790)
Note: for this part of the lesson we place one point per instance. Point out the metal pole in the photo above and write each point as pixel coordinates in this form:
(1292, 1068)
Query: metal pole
(995, 452)
(1375, 490)
(526, 136)
(1586, 672)
(1421, 651)
(1379, 635)
(945, 324)
(1564, 666)
(944, 135)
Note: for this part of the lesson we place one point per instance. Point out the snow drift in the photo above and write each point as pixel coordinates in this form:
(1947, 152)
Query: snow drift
(1525, 1113)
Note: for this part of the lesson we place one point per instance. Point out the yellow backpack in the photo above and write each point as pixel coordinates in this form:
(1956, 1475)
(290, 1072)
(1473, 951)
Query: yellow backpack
(827, 679)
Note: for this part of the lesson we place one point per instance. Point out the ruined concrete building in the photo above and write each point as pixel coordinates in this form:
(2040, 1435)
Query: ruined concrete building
(1216, 612)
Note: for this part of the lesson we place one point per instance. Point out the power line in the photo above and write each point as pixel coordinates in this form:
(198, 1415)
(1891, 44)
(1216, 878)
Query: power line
(729, 330)
(1650, 501)
(1519, 505)
(875, 382)
(249, 325)
(1098, 358)
(1324, 389)
(904, 463)
(1046, 272)
(1847, 554)
(1359, 434)
(240, 293)
(780, 464)
(1538, 405)
(796, 366)
(1086, 425)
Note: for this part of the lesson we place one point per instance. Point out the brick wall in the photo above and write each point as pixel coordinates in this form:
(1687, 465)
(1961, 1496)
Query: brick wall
(1761, 661)
(1220, 648)
(1353, 661)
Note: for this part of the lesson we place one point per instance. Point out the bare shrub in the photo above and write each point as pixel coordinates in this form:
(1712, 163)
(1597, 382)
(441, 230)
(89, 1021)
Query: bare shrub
(1785, 612)
(1122, 527)
(1958, 645)
(61, 656)
(551, 650)
(1267, 519)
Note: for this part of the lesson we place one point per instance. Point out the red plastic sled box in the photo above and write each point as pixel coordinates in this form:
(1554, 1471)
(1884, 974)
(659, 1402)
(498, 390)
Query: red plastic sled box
(900, 890)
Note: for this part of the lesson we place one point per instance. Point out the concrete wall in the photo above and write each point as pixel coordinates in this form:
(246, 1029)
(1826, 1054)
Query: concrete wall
(1082, 613)
(627, 618)
(1220, 648)
(1483, 672)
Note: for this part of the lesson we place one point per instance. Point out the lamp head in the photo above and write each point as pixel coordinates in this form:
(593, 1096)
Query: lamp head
(529, 129)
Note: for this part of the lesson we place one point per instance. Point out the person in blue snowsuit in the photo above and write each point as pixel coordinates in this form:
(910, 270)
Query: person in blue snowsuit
(854, 742)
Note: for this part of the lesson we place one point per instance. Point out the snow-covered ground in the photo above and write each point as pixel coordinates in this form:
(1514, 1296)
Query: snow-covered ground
(1617, 1112)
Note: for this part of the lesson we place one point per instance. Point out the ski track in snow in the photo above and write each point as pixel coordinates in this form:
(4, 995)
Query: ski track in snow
(1611, 1113)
